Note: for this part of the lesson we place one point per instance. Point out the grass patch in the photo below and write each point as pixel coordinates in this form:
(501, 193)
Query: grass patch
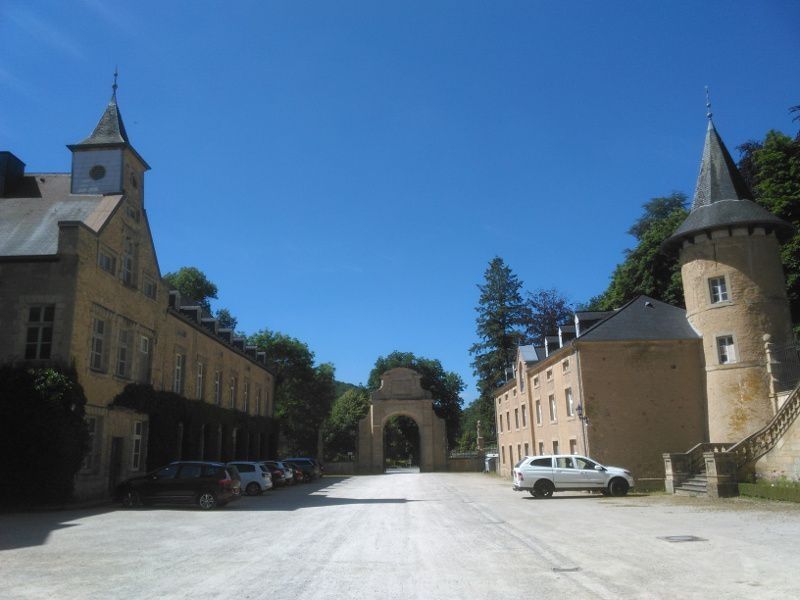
(787, 491)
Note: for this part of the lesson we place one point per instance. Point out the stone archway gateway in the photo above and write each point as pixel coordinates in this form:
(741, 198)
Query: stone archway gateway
(401, 394)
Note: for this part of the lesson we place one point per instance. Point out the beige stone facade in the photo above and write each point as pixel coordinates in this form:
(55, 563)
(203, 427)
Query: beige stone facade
(401, 394)
(81, 287)
(639, 395)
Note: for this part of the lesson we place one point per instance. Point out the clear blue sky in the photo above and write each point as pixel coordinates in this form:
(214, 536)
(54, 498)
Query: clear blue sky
(345, 171)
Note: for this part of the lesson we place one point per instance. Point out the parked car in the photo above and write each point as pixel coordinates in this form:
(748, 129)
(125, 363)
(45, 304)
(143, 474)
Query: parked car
(277, 474)
(287, 473)
(256, 479)
(543, 475)
(207, 484)
(309, 466)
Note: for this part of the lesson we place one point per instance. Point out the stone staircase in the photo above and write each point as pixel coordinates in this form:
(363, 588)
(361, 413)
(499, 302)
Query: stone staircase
(695, 486)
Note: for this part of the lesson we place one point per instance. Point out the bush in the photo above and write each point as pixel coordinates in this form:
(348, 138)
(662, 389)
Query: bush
(43, 435)
(788, 491)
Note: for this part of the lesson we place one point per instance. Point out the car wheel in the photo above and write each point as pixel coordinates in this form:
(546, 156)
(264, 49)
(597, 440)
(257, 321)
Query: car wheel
(618, 487)
(253, 489)
(543, 489)
(532, 492)
(131, 499)
(207, 500)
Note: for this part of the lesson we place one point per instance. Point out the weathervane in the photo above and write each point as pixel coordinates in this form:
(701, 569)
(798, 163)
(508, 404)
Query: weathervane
(708, 104)
(116, 74)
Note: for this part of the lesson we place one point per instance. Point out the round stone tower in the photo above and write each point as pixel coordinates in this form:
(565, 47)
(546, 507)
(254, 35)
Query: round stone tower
(734, 290)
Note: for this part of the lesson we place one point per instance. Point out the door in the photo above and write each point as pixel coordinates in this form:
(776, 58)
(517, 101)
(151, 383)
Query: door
(591, 476)
(566, 475)
(114, 464)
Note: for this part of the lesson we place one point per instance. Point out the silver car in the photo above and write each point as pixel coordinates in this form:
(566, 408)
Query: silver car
(543, 475)
(255, 477)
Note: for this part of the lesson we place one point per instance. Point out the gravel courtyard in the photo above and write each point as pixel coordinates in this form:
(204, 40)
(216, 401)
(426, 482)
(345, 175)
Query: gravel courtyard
(408, 535)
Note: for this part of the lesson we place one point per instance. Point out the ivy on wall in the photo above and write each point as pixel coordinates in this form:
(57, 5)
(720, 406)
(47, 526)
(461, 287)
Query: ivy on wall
(168, 411)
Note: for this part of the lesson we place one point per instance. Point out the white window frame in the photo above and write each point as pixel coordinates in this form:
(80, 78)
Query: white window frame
(541, 448)
(718, 289)
(556, 447)
(524, 416)
(548, 375)
(41, 326)
(136, 445)
(551, 401)
(124, 354)
(565, 366)
(107, 261)
(177, 381)
(569, 401)
(97, 350)
(199, 380)
(539, 412)
(726, 355)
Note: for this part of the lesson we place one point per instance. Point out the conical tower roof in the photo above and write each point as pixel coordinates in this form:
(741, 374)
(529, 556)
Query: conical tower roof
(110, 129)
(721, 197)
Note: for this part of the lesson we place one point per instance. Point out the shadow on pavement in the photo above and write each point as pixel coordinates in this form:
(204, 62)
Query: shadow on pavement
(21, 530)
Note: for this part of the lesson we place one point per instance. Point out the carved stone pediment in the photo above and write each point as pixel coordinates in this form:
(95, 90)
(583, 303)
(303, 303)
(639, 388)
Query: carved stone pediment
(400, 384)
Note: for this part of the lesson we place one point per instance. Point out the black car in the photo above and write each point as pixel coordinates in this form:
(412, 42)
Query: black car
(207, 484)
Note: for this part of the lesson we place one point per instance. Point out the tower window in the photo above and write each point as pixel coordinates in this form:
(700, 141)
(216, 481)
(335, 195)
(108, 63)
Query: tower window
(97, 172)
(726, 349)
(718, 289)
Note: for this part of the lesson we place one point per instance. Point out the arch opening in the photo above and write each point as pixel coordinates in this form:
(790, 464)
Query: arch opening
(401, 444)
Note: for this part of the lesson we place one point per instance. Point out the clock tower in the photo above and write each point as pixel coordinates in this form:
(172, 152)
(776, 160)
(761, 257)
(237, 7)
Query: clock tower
(105, 162)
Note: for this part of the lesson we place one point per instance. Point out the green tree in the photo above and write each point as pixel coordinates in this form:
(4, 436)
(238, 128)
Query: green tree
(304, 392)
(444, 386)
(774, 165)
(548, 310)
(341, 428)
(43, 435)
(646, 268)
(468, 431)
(501, 323)
(192, 283)
(226, 319)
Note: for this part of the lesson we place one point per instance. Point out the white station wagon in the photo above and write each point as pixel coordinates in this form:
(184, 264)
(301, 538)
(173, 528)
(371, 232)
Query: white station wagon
(543, 475)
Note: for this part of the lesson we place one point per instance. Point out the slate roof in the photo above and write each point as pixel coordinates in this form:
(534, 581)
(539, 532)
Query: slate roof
(721, 197)
(110, 129)
(643, 318)
(30, 212)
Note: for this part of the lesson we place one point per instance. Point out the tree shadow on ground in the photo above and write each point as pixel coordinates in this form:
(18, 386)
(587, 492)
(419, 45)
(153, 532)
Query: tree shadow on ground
(24, 529)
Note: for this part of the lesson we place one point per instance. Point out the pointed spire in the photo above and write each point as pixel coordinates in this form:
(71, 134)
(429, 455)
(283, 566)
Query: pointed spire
(110, 129)
(719, 179)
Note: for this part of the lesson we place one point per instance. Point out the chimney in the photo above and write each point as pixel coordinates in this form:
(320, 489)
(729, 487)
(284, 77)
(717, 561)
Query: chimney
(12, 170)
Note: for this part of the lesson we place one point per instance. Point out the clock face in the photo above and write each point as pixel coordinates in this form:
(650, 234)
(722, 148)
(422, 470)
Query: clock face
(97, 172)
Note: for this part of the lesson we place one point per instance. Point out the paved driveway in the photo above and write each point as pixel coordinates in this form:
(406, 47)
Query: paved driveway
(443, 535)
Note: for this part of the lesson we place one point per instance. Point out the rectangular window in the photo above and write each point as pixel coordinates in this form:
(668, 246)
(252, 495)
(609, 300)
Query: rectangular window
(107, 261)
(503, 453)
(555, 447)
(565, 366)
(536, 382)
(97, 355)
(519, 451)
(508, 420)
(516, 417)
(541, 448)
(552, 399)
(217, 387)
(199, 381)
(500, 421)
(91, 460)
(246, 397)
(526, 449)
(124, 354)
(569, 402)
(39, 334)
(524, 416)
(549, 374)
(511, 454)
(136, 445)
(726, 349)
(143, 363)
(573, 446)
(538, 412)
(232, 390)
(177, 382)
(718, 289)
(149, 287)
(128, 262)
(258, 401)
